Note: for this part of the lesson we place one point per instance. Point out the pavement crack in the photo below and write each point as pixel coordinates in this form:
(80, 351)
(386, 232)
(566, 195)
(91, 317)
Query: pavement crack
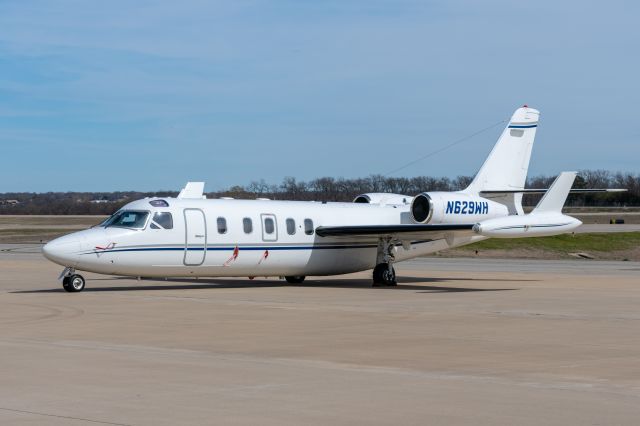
(58, 416)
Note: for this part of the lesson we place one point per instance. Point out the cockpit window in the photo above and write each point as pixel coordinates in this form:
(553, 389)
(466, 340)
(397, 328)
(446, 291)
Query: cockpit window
(162, 220)
(159, 203)
(127, 219)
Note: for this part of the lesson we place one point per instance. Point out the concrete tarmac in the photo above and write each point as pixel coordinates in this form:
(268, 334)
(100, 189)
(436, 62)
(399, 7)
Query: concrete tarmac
(598, 228)
(458, 342)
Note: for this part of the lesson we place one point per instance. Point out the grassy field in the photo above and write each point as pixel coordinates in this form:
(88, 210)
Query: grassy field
(564, 243)
(40, 229)
(9, 221)
(603, 246)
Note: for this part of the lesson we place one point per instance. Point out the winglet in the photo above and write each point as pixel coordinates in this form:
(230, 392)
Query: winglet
(554, 199)
(193, 190)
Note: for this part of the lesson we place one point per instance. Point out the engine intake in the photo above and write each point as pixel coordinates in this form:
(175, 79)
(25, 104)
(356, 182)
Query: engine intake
(362, 199)
(383, 199)
(422, 208)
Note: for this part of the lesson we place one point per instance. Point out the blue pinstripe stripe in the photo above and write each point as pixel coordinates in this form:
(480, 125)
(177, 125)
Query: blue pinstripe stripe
(276, 248)
(532, 226)
(527, 126)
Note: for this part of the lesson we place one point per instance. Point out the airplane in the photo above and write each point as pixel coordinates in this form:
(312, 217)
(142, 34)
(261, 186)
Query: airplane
(191, 236)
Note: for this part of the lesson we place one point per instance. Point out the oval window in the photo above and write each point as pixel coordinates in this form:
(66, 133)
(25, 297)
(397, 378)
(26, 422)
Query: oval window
(222, 225)
(247, 225)
(269, 226)
(291, 226)
(308, 226)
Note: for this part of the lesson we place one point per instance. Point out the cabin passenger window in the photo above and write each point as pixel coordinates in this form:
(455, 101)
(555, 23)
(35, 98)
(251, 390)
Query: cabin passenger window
(162, 220)
(222, 225)
(291, 226)
(269, 226)
(247, 225)
(308, 226)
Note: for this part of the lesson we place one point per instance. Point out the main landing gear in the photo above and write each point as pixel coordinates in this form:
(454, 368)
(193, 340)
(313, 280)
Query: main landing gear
(71, 281)
(295, 279)
(383, 273)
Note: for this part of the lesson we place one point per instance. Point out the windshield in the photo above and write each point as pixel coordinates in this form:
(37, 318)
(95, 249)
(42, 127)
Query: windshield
(127, 219)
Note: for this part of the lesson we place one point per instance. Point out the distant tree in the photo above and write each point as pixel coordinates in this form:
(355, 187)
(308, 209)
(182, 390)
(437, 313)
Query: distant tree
(322, 189)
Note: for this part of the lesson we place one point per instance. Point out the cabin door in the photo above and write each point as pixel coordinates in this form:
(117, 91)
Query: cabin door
(195, 248)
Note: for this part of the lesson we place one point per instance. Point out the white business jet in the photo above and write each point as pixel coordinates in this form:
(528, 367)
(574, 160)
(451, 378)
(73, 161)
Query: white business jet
(191, 236)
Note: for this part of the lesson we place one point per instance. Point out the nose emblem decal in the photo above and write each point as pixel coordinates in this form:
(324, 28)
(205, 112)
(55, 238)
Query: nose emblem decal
(108, 247)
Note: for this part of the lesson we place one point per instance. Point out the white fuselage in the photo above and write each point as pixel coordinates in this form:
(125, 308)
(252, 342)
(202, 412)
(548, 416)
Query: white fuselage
(195, 246)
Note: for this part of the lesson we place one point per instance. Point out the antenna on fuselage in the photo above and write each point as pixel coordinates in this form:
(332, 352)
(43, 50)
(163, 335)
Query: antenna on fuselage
(193, 190)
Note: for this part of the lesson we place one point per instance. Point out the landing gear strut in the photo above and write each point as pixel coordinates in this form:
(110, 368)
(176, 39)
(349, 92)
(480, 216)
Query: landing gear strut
(383, 273)
(71, 281)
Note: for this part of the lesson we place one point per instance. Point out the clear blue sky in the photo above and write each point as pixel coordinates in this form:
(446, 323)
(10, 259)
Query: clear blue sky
(120, 95)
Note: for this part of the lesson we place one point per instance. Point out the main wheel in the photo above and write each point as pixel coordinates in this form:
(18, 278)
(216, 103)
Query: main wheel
(295, 279)
(383, 275)
(73, 283)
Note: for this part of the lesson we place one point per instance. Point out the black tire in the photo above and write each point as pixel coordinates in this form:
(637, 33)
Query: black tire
(383, 276)
(73, 283)
(295, 279)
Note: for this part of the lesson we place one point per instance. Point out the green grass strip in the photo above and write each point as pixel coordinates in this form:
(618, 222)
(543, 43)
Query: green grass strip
(602, 242)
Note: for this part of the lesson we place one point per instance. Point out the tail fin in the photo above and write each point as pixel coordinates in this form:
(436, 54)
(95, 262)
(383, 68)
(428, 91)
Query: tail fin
(554, 199)
(507, 164)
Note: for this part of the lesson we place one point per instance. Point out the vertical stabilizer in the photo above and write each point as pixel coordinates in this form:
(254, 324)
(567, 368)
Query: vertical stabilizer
(506, 166)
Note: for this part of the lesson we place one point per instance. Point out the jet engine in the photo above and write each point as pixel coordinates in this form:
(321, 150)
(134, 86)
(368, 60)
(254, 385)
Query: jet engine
(454, 207)
(383, 199)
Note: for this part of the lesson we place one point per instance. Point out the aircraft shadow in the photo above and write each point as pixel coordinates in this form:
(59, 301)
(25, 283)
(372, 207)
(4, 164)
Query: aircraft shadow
(405, 283)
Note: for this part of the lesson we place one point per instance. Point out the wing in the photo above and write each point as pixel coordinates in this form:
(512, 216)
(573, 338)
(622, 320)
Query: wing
(396, 232)
(544, 190)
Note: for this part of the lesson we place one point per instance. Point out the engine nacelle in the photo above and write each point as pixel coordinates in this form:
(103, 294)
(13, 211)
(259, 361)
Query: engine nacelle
(383, 199)
(529, 225)
(454, 207)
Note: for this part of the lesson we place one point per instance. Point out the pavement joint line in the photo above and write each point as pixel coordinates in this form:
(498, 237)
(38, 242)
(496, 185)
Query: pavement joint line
(63, 417)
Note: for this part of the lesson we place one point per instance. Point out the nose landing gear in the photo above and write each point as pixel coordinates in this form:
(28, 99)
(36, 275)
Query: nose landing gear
(71, 281)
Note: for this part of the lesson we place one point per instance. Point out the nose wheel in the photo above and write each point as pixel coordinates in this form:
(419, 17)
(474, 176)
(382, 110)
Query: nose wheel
(73, 283)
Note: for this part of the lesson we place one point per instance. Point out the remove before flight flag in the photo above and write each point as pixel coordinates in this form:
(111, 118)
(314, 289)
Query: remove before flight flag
(264, 256)
(233, 257)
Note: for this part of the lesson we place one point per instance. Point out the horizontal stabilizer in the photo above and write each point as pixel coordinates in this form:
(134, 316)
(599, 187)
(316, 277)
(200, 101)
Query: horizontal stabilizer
(543, 190)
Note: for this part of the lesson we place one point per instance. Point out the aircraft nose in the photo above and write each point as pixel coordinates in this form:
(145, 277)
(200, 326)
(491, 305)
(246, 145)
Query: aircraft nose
(63, 250)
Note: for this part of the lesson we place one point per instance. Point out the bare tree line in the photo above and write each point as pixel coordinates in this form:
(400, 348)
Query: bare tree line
(320, 189)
